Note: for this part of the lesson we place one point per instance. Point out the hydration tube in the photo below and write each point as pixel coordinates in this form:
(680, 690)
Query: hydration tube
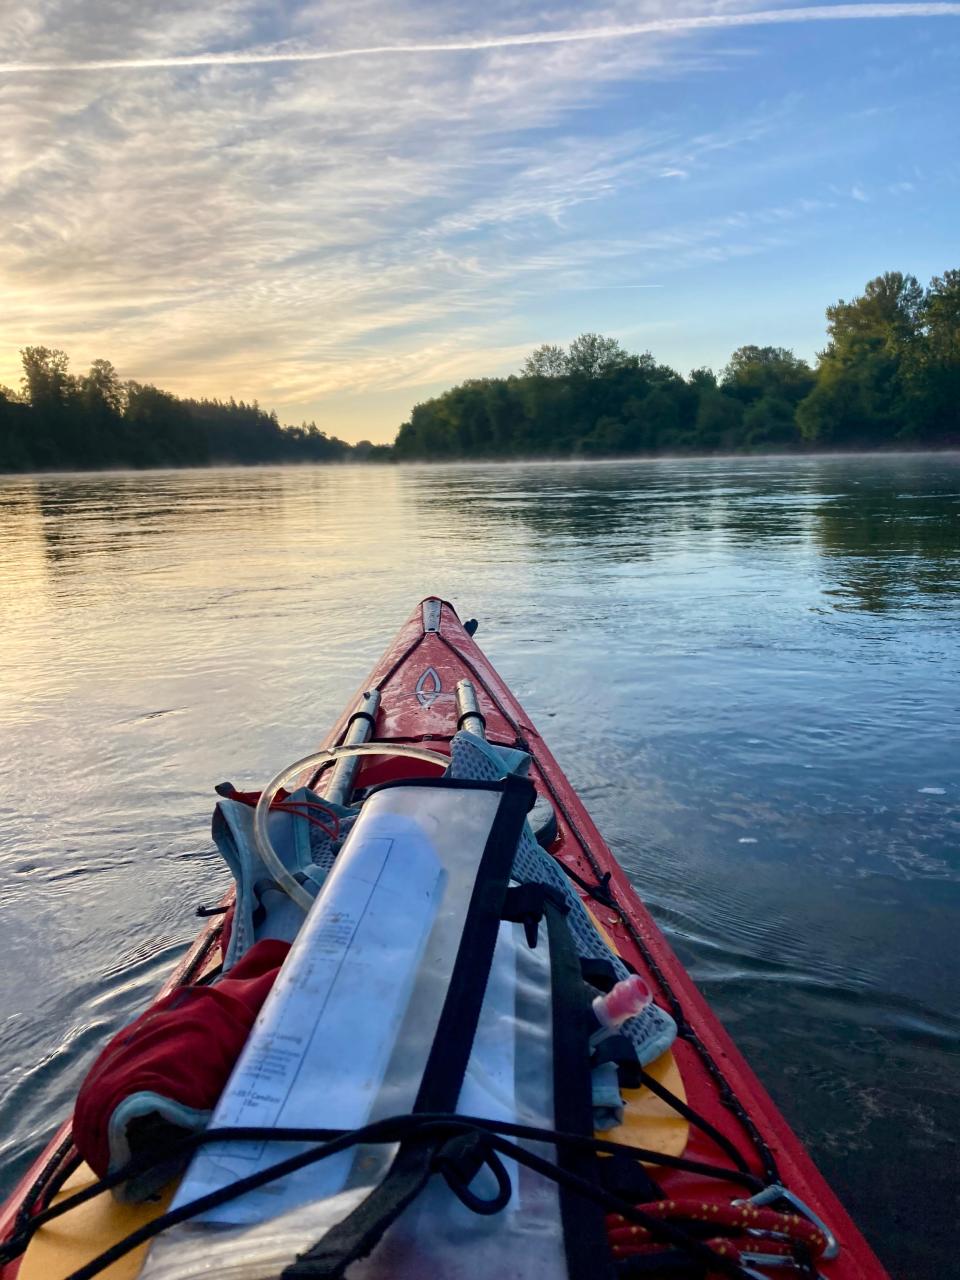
(261, 836)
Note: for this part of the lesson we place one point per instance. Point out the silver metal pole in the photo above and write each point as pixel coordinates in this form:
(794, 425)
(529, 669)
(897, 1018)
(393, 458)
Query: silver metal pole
(469, 716)
(359, 729)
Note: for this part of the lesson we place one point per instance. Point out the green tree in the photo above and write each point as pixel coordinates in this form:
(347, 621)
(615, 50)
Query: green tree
(755, 372)
(940, 316)
(593, 356)
(869, 380)
(161, 430)
(887, 313)
(718, 422)
(608, 438)
(101, 389)
(48, 384)
(890, 372)
(99, 409)
(659, 418)
(51, 392)
(546, 361)
(770, 421)
(16, 451)
(97, 420)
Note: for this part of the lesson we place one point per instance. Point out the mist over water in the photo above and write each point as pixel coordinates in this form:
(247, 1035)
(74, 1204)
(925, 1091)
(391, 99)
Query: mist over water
(750, 669)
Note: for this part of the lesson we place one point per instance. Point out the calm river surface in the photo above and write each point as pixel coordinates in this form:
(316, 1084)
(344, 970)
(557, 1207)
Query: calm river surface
(750, 669)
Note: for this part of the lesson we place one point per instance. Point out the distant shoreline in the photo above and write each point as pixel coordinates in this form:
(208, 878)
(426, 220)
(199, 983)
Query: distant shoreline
(291, 465)
(888, 380)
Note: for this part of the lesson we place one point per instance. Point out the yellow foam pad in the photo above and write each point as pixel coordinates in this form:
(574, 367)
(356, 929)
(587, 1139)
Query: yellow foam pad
(648, 1121)
(66, 1243)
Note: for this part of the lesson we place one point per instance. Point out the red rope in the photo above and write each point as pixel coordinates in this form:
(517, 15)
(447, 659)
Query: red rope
(781, 1232)
(283, 802)
(296, 806)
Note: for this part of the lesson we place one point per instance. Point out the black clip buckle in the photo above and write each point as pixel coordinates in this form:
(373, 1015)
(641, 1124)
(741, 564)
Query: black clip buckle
(524, 904)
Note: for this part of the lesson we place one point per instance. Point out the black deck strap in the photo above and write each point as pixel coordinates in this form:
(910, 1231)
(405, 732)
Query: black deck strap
(330, 1141)
(622, 1052)
(661, 1265)
(599, 892)
(358, 1233)
(599, 972)
(614, 1048)
(583, 1221)
(636, 932)
(524, 904)
(453, 1042)
(363, 715)
(629, 1180)
(409, 1174)
(64, 1160)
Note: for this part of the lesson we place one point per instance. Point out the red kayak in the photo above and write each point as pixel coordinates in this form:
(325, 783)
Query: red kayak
(699, 1106)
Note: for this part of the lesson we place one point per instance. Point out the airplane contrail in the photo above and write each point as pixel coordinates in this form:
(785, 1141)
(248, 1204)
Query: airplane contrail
(652, 26)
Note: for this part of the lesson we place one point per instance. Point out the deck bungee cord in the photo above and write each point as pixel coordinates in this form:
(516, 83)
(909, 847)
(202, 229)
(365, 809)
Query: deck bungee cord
(440, 1131)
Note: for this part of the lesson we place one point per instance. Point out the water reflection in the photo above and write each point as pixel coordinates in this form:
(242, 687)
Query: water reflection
(121, 513)
(886, 529)
(889, 544)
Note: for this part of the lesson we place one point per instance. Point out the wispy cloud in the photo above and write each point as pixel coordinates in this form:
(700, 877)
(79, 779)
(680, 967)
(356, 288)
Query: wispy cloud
(479, 44)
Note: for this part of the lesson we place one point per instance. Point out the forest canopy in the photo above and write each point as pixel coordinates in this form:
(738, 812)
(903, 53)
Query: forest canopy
(889, 376)
(95, 420)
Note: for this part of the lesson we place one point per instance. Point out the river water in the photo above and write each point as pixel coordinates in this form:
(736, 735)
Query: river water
(750, 669)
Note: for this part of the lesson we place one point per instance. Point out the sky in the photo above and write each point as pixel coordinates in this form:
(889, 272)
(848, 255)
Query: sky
(341, 209)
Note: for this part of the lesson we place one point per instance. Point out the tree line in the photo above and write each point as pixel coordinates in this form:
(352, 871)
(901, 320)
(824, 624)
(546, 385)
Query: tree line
(59, 420)
(889, 376)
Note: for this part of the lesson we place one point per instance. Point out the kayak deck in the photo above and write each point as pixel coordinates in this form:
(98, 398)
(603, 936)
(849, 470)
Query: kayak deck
(417, 681)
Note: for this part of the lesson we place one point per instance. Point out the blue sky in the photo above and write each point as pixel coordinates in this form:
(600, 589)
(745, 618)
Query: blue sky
(208, 198)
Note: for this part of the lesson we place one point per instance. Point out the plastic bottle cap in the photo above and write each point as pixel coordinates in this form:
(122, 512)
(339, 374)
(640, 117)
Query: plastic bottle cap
(628, 998)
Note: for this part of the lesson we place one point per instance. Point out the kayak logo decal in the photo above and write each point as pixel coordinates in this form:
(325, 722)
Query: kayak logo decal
(428, 687)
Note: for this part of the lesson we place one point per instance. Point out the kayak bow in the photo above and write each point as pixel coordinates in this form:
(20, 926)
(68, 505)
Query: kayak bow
(697, 1106)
